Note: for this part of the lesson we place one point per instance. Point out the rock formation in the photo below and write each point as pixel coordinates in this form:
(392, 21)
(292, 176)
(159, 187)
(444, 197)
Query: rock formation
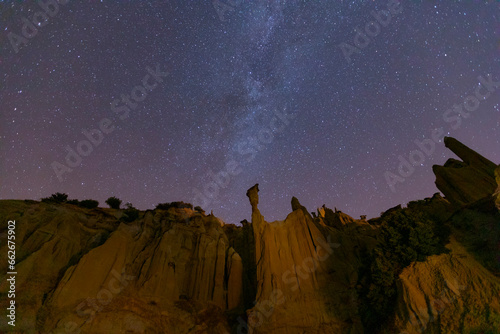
(306, 274)
(497, 192)
(157, 274)
(435, 294)
(336, 219)
(464, 182)
(176, 270)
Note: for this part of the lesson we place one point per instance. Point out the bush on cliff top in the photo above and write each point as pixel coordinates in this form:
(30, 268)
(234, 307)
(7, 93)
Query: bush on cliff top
(177, 205)
(406, 236)
(114, 202)
(59, 198)
(56, 198)
(130, 214)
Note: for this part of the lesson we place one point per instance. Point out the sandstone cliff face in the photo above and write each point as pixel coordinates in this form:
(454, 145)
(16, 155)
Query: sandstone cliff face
(180, 271)
(458, 292)
(464, 182)
(158, 274)
(336, 218)
(448, 293)
(306, 274)
(497, 192)
(242, 240)
(48, 239)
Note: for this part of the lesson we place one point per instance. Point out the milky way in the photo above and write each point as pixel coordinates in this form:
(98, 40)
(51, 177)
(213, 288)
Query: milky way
(162, 101)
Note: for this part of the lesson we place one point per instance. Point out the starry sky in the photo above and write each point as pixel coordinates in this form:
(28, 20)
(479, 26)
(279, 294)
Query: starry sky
(197, 101)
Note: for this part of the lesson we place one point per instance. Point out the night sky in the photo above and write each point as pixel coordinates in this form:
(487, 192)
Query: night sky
(293, 95)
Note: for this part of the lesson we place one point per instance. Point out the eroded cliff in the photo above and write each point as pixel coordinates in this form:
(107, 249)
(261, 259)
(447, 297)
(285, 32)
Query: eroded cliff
(307, 273)
(181, 271)
(167, 272)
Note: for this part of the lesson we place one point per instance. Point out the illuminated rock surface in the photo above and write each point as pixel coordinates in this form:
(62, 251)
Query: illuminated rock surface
(181, 271)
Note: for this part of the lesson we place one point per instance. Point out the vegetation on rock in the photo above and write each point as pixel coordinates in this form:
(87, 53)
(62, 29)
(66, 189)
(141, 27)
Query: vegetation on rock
(59, 198)
(88, 204)
(130, 214)
(56, 198)
(405, 236)
(177, 205)
(114, 202)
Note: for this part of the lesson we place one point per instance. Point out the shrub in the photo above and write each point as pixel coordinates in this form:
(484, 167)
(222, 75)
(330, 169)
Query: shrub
(113, 202)
(406, 236)
(56, 198)
(130, 214)
(479, 232)
(199, 209)
(88, 204)
(63, 198)
(178, 205)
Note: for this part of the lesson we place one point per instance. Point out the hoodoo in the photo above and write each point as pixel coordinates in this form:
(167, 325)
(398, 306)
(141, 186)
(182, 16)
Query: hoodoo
(466, 181)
